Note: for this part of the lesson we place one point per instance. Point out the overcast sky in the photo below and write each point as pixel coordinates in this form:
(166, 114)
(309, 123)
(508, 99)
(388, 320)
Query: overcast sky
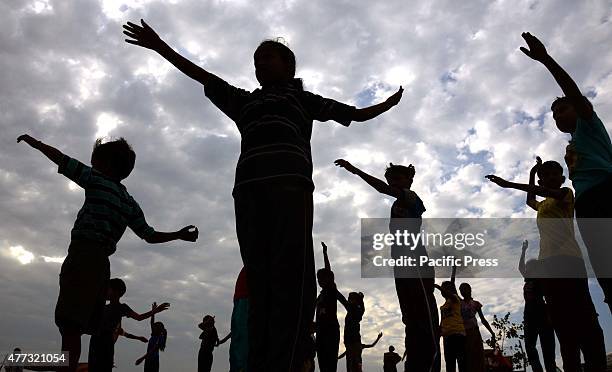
(473, 104)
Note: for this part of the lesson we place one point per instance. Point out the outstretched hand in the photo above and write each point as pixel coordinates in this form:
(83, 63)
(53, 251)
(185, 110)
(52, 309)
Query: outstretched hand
(537, 50)
(189, 233)
(497, 180)
(396, 97)
(525, 245)
(537, 165)
(26, 138)
(143, 36)
(346, 165)
(324, 247)
(160, 308)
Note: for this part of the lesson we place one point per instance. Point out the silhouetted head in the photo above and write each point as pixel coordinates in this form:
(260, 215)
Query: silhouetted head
(17, 350)
(400, 176)
(158, 329)
(565, 114)
(466, 290)
(116, 289)
(325, 277)
(115, 159)
(550, 175)
(391, 348)
(448, 289)
(356, 298)
(208, 322)
(275, 64)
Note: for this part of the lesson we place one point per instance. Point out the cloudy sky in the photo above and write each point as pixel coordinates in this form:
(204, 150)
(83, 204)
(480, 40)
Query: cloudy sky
(473, 104)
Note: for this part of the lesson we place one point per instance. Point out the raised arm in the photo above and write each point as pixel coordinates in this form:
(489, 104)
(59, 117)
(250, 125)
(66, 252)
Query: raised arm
(531, 196)
(50, 152)
(325, 257)
(153, 307)
(379, 185)
(367, 113)
(542, 191)
(373, 343)
(146, 37)
(538, 52)
(154, 310)
(187, 233)
(131, 336)
(521, 266)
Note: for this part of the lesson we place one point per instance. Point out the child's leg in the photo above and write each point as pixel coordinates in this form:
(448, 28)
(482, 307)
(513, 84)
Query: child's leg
(460, 342)
(274, 226)
(450, 353)
(531, 339)
(594, 217)
(71, 343)
(547, 343)
(328, 340)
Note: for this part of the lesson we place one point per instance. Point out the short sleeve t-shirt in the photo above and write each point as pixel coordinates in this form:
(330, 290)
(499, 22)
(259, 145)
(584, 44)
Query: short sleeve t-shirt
(209, 338)
(108, 207)
(111, 318)
(327, 308)
(469, 310)
(275, 124)
(589, 154)
(555, 220)
(451, 321)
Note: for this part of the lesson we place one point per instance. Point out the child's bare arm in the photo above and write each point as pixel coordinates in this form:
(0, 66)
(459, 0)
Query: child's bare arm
(486, 324)
(133, 337)
(188, 233)
(379, 185)
(531, 196)
(146, 37)
(154, 310)
(521, 266)
(51, 152)
(341, 355)
(224, 339)
(367, 113)
(325, 257)
(542, 191)
(537, 51)
(373, 343)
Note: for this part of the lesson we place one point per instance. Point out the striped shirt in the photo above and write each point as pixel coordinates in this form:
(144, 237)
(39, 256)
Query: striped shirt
(275, 124)
(108, 207)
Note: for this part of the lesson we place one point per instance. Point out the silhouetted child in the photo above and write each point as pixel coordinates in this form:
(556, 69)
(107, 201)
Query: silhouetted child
(414, 285)
(390, 360)
(273, 190)
(210, 340)
(102, 220)
(11, 368)
(561, 267)
(355, 308)
(474, 357)
(311, 351)
(358, 365)
(102, 345)
(452, 328)
(157, 342)
(239, 343)
(589, 160)
(327, 326)
(536, 319)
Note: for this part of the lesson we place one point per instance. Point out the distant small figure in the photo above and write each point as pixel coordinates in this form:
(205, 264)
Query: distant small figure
(390, 360)
(210, 340)
(11, 368)
(536, 317)
(452, 328)
(102, 345)
(355, 308)
(474, 357)
(157, 343)
(107, 211)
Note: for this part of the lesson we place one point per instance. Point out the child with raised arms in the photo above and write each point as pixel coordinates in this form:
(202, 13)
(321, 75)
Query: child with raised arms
(108, 210)
(273, 190)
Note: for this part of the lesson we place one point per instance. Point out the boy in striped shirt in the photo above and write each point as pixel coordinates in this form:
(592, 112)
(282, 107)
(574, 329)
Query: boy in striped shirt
(102, 220)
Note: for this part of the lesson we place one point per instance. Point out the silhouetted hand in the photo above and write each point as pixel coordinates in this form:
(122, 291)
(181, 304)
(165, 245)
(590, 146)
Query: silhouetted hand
(537, 165)
(159, 308)
(498, 180)
(525, 245)
(536, 50)
(143, 36)
(27, 139)
(395, 98)
(346, 165)
(139, 360)
(324, 247)
(186, 234)
(379, 335)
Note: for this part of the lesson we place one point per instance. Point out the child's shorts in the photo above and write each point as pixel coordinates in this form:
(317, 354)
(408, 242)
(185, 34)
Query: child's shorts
(83, 280)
